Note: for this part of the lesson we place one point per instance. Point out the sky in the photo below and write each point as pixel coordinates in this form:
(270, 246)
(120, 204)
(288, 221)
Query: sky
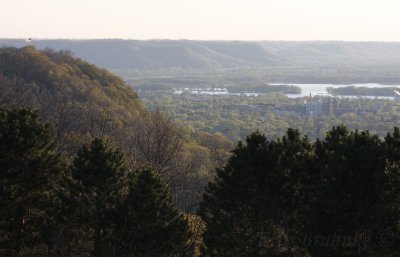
(350, 20)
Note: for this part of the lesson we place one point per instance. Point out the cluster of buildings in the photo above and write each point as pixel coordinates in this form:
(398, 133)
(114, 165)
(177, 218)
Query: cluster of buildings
(327, 106)
(311, 107)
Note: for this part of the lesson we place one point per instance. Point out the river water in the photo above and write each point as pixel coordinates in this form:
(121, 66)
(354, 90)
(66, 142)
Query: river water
(321, 89)
(306, 90)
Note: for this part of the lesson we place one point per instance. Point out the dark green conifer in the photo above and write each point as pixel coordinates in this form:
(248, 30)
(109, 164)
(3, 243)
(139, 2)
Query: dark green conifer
(147, 223)
(96, 171)
(354, 208)
(29, 175)
(246, 209)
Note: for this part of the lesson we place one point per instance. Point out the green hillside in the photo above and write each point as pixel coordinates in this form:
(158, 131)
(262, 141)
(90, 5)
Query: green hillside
(58, 73)
(78, 99)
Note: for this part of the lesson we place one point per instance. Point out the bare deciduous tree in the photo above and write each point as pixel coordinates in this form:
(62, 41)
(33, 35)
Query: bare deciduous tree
(157, 143)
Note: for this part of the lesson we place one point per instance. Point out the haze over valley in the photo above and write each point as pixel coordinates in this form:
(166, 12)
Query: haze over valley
(272, 61)
(184, 128)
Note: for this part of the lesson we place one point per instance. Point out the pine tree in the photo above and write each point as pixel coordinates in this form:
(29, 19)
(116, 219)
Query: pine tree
(355, 196)
(29, 174)
(247, 208)
(147, 223)
(96, 171)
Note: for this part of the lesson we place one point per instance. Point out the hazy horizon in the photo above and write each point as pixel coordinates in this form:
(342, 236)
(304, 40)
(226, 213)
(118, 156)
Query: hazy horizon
(200, 40)
(254, 20)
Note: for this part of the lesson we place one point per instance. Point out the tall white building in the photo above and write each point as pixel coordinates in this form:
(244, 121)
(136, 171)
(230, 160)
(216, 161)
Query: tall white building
(314, 107)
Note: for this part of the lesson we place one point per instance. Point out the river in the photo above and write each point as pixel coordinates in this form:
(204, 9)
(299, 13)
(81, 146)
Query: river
(321, 89)
(306, 90)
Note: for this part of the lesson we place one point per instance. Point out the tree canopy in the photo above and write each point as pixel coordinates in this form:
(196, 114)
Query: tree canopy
(285, 197)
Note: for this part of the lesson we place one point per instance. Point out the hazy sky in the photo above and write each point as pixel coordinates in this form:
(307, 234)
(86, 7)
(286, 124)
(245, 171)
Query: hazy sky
(375, 20)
